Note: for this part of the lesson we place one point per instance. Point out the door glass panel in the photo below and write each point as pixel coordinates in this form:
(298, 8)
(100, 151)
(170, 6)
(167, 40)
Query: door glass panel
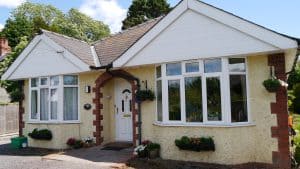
(54, 80)
(174, 100)
(213, 99)
(44, 81)
(193, 99)
(238, 95)
(34, 82)
(70, 103)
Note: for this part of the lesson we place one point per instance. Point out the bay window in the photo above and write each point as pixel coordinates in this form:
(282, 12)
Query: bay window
(208, 91)
(54, 98)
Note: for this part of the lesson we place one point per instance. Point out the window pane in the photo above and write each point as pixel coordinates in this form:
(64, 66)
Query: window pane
(213, 99)
(237, 65)
(192, 67)
(174, 100)
(70, 103)
(44, 104)
(70, 80)
(238, 95)
(158, 71)
(34, 82)
(34, 99)
(44, 81)
(214, 65)
(173, 69)
(53, 104)
(54, 80)
(159, 100)
(193, 99)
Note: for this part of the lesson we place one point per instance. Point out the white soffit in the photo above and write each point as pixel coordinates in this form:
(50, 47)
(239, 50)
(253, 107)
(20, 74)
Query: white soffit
(196, 30)
(43, 57)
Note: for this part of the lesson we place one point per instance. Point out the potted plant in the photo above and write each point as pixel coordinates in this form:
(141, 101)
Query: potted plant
(153, 150)
(272, 84)
(43, 134)
(195, 143)
(143, 95)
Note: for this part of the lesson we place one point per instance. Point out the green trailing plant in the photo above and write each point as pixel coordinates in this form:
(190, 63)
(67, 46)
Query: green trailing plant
(272, 85)
(43, 134)
(195, 144)
(143, 95)
(78, 144)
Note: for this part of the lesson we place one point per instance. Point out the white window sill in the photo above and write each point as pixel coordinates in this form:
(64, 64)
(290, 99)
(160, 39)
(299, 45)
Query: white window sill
(247, 124)
(53, 122)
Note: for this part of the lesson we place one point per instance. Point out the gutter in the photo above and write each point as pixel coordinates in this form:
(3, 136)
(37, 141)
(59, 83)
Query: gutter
(139, 123)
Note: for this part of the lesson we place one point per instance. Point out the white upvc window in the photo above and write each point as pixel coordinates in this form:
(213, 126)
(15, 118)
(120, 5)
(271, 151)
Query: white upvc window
(209, 91)
(54, 99)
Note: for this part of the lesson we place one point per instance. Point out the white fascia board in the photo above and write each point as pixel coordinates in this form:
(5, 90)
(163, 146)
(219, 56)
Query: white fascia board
(95, 57)
(267, 36)
(243, 25)
(153, 32)
(68, 55)
(21, 57)
(83, 67)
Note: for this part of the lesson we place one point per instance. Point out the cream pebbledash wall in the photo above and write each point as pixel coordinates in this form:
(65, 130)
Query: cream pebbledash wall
(234, 145)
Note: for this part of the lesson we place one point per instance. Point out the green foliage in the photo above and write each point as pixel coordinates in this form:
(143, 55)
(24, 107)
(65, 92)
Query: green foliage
(28, 18)
(297, 154)
(43, 134)
(271, 85)
(294, 77)
(195, 144)
(13, 88)
(143, 10)
(152, 146)
(143, 95)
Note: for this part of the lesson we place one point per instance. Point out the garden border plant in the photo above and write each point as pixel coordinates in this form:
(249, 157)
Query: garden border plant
(42, 134)
(195, 143)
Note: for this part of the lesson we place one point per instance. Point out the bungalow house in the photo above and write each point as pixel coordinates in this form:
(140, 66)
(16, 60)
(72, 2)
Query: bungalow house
(205, 65)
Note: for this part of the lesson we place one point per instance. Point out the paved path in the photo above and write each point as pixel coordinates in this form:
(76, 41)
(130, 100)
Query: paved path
(89, 158)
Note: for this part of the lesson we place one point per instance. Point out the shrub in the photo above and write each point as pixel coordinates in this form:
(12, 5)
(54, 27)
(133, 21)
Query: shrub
(271, 85)
(71, 142)
(195, 144)
(78, 144)
(43, 134)
(143, 95)
(152, 146)
(297, 154)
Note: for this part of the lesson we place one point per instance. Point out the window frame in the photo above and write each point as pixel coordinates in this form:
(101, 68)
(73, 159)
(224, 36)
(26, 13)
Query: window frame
(60, 90)
(224, 77)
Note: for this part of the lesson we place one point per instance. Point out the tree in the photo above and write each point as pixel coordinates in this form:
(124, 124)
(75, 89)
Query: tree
(13, 87)
(143, 10)
(27, 20)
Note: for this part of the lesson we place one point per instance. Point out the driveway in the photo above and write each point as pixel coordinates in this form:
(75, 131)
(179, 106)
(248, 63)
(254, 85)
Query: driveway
(86, 158)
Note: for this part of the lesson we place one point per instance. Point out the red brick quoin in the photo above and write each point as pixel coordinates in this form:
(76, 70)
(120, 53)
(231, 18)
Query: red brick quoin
(281, 158)
(99, 83)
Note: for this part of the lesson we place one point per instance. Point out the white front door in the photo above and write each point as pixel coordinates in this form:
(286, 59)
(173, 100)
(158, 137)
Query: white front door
(123, 113)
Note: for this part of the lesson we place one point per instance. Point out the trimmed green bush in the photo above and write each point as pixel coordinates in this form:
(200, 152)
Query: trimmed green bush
(271, 85)
(143, 95)
(43, 134)
(195, 144)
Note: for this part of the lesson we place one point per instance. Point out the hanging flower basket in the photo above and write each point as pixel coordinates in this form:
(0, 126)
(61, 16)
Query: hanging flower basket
(272, 85)
(143, 95)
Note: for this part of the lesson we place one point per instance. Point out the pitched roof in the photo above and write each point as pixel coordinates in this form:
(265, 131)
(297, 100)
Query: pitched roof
(77, 47)
(112, 47)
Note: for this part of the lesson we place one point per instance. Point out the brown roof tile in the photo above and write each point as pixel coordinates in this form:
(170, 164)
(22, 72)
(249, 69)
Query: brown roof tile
(112, 47)
(79, 48)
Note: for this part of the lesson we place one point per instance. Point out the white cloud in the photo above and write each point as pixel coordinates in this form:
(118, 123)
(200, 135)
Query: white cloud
(11, 3)
(108, 11)
(1, 27)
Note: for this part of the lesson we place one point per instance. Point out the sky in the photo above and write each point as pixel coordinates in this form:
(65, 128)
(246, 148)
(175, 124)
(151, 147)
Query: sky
(279, 15)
